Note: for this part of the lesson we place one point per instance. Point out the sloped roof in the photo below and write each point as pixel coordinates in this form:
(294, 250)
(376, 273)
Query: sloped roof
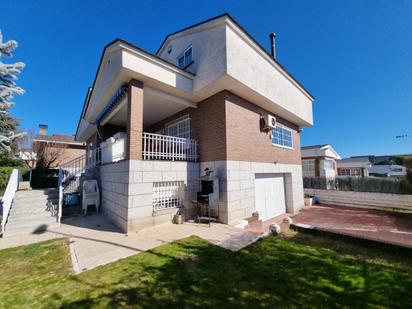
(315, 146)
(227, 15)
(57, 138)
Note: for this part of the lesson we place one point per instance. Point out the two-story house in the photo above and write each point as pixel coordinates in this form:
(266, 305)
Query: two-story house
(210, 97)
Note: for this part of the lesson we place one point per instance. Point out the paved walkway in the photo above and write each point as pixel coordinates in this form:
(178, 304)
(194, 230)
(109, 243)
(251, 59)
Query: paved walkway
(378, 225)
(95, 241)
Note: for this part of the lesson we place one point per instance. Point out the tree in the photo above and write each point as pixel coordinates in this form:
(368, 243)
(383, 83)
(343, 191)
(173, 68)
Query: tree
(25, 148)
(48, 153)
(8, 88)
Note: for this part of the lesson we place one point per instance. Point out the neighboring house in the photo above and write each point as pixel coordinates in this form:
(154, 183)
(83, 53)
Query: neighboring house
(28, 155)
(319, 161)
(392, 170)
(53, 150)
(356, 166)
(211, 97)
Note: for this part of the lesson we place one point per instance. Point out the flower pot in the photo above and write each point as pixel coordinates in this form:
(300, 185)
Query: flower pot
(178, 219)
(308, 201)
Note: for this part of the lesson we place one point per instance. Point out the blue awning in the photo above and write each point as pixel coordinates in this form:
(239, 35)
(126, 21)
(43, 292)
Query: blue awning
(114, 101)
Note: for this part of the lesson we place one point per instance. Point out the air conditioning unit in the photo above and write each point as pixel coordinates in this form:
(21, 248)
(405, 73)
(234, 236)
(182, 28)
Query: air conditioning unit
(271, 123)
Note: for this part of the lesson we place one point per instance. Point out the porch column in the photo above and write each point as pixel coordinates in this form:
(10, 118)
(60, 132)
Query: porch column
(134, 120)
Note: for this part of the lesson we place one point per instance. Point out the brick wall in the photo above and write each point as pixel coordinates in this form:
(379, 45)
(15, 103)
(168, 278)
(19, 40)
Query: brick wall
(65, 152)
(245, 140)
(207, 123)
(228, 128)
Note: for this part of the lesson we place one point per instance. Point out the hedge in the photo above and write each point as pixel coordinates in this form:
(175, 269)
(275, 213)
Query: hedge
(5, 172)
(359, 184)
(44, 178)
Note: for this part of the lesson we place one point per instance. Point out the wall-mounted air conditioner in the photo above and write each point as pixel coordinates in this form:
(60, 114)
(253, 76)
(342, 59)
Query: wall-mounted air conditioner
(271, 123)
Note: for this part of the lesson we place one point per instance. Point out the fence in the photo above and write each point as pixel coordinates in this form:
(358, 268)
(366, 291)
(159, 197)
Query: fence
(358, 184)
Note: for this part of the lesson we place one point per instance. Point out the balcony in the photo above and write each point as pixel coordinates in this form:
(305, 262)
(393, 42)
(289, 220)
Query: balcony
(154, 147)
(164, 147)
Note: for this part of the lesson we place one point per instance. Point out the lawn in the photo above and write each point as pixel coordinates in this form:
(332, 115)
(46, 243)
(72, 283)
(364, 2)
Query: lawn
(291, 271)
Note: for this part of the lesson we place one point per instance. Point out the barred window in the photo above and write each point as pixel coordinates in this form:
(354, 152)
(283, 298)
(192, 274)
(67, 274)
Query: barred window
(179, 128)
(167, 194)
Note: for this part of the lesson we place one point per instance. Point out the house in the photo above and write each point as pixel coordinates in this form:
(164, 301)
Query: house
(387, 170)
(211, 99)
(355, 166)
(55, 149)
(28, 155)
(319, 161)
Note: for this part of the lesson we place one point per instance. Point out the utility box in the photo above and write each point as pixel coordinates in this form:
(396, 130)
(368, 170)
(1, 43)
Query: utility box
(113, 149)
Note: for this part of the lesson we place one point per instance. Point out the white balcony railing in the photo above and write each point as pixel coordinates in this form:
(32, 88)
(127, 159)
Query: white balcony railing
(164, 147)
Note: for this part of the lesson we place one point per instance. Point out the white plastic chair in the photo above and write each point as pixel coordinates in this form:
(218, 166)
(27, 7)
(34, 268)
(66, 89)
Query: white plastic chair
(91, 195)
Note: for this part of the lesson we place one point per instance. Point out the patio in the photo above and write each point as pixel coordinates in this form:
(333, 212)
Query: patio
(95, 241)
(381, 226)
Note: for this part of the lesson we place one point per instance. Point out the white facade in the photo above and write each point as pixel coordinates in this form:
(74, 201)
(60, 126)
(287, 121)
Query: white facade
(388, 170)
(224, 57)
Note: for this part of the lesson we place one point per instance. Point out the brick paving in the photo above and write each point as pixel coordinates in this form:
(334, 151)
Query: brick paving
(393, 228)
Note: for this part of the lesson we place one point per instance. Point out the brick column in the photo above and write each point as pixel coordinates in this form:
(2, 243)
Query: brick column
(134, 120)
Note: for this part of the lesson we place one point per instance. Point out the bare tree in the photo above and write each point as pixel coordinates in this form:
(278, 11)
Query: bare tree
(49, 153)
(25, 148)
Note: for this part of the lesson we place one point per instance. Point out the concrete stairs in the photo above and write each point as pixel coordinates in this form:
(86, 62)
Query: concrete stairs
(31, 212)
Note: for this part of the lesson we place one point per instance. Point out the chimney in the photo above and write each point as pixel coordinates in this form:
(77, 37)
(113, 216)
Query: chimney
(272, 37)
(43, 129)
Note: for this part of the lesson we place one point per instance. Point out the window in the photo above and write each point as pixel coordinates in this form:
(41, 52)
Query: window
(308, 168)
(349, 172)
(179, 128)
(186, 58)
(282, 136)
(328, 164)
(167, 194)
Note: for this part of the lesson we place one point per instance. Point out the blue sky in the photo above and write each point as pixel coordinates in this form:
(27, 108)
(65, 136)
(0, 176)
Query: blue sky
(355, 57)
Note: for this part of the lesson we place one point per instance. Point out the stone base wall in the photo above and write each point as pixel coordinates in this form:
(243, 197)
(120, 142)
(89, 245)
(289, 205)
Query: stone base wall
(140, 191)
(237, 186)
(114, 181)
(127, 191)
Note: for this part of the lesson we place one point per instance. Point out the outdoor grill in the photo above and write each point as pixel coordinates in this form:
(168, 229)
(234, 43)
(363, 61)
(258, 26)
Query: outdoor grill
(209, 189)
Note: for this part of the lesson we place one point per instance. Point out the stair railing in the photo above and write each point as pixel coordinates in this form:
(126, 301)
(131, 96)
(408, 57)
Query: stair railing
(7, 199)
(73, 170)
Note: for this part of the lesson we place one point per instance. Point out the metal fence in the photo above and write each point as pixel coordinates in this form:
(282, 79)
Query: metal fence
(358, 184)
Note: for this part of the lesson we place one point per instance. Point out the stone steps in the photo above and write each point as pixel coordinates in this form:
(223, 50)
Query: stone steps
(24, 185)
(30, 212)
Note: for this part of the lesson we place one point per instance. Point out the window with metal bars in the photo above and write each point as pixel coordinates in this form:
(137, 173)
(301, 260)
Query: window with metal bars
(179, 128)
(167, 194)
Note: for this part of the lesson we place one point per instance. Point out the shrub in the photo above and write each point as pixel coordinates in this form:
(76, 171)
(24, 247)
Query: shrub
(5, 172)
(44, 178)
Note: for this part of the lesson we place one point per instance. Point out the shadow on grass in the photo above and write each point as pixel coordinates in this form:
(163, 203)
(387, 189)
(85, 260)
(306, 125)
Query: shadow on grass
(274, 272)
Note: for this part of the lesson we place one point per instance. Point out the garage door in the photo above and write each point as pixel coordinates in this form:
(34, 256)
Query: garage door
(270, 195)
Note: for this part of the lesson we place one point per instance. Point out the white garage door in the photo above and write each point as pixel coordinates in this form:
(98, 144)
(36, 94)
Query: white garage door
(270, 195)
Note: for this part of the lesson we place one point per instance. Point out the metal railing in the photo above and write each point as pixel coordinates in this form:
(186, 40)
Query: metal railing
(167, 194)
(70, 172)
(7, 199)
(165, 147)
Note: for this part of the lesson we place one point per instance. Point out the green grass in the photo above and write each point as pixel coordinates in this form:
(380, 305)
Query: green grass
(294, 271)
